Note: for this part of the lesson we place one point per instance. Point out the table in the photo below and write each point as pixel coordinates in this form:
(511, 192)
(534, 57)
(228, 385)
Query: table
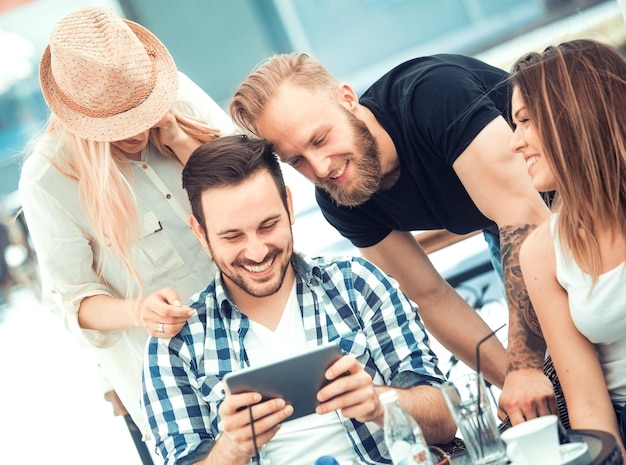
(602, 448)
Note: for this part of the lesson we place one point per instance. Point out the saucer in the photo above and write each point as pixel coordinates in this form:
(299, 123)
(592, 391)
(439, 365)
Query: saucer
(574, 453)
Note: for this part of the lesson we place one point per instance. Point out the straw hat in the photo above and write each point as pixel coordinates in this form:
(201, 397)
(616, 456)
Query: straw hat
(106, 78)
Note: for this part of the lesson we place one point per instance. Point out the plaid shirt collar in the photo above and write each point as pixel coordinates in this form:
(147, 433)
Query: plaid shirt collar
(304, 268)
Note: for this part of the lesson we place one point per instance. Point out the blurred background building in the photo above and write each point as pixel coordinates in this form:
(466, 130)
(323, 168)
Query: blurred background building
(217, 43)
(51, 405)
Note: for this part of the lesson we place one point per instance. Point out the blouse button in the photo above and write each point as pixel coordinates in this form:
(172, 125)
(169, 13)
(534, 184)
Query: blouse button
(168, 196)
(144, 166)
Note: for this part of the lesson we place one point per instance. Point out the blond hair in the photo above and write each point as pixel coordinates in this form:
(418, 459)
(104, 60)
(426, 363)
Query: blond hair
(104, 178)
(258, 88)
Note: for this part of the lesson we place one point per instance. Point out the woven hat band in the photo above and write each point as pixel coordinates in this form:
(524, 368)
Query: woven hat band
(137, 97)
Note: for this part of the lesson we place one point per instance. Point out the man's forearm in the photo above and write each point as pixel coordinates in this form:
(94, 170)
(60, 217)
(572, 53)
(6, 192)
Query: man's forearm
(427, 405)
(105, 313)
(461, 336)
(224, 451)
(526, 346)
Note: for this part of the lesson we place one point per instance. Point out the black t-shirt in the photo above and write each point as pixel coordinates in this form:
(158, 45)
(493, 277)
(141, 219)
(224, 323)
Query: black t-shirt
(432, 107)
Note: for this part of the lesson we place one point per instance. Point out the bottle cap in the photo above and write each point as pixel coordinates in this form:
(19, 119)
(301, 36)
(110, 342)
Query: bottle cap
(388, 397)
(326, 460)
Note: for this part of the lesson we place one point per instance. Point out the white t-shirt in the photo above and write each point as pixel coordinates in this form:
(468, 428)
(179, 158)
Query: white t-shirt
(304, 440)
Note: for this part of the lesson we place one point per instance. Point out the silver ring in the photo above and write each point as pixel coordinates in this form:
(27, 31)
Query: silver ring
(160, 328)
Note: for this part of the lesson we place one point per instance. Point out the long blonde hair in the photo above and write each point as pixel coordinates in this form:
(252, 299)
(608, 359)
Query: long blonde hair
(576, 97)
(104, 178)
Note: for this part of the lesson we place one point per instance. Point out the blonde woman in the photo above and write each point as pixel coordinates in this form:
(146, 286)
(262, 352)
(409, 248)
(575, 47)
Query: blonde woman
(569, 107)
(102, 191)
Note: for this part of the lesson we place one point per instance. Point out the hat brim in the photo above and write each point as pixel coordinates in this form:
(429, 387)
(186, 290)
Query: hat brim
(129, 123)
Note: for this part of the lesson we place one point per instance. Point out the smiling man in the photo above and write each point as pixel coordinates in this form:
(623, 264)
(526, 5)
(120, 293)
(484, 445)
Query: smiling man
(268, 302)
(425, 147)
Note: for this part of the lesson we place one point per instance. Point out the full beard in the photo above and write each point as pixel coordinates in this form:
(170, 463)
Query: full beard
(367, 168)
(256, 289)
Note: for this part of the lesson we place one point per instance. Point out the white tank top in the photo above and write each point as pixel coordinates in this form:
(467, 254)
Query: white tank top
(598, 313)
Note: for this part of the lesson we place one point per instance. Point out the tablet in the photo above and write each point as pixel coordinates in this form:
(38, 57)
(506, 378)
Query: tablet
(296, 379)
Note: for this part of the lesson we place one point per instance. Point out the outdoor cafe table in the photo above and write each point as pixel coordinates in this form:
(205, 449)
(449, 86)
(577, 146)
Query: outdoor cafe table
(603, 448)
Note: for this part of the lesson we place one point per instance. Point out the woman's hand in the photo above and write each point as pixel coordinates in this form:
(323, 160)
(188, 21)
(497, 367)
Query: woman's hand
(162, 313)
(170, 133)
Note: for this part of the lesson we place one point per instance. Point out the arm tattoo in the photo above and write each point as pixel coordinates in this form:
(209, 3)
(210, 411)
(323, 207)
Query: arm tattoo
(526, 347)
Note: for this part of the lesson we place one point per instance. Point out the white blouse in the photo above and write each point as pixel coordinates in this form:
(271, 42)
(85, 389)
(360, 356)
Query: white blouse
(69, 254)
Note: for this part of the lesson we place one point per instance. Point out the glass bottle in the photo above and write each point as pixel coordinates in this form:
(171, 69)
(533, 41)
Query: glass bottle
(403, 435)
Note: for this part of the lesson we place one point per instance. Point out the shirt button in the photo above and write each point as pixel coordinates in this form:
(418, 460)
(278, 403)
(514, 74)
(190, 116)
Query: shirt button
(168, 196)
(144, 166)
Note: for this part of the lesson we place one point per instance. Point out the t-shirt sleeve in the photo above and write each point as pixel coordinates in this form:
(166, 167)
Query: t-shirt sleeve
(451, 107)
(354, 223)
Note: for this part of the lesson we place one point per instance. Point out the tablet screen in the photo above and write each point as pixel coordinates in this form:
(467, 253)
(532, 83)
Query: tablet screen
(296, 379)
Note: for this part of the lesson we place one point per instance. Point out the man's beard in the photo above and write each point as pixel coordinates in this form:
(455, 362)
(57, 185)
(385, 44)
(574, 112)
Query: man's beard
(249, 286)
(367, 168)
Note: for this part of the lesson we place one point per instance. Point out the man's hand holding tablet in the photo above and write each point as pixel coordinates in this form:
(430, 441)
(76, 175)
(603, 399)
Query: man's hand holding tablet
(296, 379)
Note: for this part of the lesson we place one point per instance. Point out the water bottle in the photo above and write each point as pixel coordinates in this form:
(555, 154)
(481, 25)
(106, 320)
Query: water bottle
(403, 435)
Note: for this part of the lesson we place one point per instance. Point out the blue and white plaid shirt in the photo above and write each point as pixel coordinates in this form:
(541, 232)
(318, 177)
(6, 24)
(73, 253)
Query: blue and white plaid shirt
(350, 303)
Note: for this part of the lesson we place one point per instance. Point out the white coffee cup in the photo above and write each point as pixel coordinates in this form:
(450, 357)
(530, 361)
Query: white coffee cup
(533, 442)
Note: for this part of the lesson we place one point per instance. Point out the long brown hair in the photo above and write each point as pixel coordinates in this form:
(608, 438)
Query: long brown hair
(575, 94)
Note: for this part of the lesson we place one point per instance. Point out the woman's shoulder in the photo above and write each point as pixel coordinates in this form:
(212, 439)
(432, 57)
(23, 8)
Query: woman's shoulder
(41, 153)
(195, 102)
(189, 92)
(539, 242)
(42, 167)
